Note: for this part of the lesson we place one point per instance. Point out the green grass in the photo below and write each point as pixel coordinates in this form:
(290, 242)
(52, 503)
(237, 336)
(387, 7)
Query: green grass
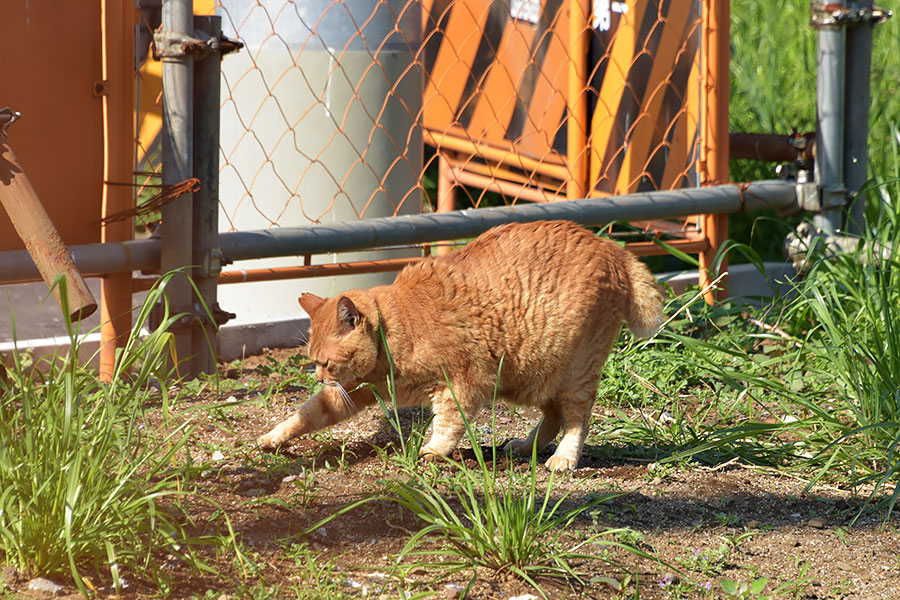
(848, 311)
(809, 382)
(86, 489)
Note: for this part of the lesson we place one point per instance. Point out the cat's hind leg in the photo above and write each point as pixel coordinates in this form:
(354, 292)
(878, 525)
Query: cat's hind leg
(332, 404)
(543, 433)
(575, 399)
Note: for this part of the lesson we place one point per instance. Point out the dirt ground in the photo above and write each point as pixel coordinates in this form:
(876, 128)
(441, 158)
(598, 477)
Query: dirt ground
(730, 522)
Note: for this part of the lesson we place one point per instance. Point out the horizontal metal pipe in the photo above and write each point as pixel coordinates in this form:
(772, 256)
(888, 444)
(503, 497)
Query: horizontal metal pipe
(772, 147)
(505, 188)
(505, 157)
(92, 260)
(463, 224)
(96, 259)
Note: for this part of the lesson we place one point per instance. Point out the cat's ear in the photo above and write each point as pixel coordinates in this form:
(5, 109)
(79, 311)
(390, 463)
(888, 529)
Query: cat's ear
(310, 303)
(348, 314)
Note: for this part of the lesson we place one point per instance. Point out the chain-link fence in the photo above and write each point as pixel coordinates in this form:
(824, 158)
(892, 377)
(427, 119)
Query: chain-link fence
(339, 111)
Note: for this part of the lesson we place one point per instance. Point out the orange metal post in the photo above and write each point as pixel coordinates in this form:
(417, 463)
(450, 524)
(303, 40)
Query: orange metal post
(577, 101)
(446, 190)
(118, 19)
(714, 168)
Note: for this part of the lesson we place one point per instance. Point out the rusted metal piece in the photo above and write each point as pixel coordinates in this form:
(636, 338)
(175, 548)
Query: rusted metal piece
(168, 194)
(835, 14)
(7, 117)
(42, 240)
(177, 45)
(773, 147)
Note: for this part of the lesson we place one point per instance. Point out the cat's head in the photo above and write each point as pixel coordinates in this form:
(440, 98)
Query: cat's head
(343, 341)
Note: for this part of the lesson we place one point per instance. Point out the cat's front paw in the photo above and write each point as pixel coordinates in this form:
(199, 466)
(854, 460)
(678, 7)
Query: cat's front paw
(429, 454)
(560, 463)
(269, 442)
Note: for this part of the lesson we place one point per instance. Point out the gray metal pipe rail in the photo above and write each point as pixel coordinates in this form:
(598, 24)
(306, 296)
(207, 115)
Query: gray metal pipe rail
(144, 255)
(395, 231)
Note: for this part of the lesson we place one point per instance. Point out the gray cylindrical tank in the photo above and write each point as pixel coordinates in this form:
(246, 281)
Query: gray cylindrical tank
(320, 123)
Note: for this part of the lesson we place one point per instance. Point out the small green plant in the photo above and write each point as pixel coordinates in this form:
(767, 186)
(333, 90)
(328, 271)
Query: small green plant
(317, 579)
(734, 542)
(725, 520)
(743, 590)
(706, 562)
(797, 587)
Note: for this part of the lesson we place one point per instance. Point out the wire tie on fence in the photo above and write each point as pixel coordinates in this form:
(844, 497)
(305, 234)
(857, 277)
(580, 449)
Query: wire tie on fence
(169, 194)
(745, 189)
(8, 116)
(742, 188)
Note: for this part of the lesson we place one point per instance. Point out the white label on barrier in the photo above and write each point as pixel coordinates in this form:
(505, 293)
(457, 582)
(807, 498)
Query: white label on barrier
(602, 15)
(525, 10)
(603, 10)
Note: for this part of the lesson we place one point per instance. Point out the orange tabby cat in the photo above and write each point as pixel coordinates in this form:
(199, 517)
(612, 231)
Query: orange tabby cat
(548, 298)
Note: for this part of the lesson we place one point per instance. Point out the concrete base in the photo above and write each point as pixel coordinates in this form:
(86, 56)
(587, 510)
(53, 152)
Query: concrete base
(745, 281)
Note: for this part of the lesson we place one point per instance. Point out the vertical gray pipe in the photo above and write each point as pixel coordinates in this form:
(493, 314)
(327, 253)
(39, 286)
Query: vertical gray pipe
(206, 199)
(830, 126)
(856, 110)
(177, 164)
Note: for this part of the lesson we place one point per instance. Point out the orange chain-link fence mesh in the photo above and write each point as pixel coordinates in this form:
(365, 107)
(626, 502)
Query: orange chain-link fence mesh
(350, 110)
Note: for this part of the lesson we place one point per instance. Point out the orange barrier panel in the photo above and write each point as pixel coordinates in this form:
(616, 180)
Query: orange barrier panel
(522, 101)
(54, 80)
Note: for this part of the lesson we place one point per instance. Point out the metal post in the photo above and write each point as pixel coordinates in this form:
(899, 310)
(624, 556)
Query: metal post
(117, 25)
(715, 133)
(206, 253)
(856, 111)
(830, 66)
(177, 162)
(577, 100)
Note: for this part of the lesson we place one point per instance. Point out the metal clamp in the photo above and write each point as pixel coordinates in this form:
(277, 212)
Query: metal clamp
(213, 261)
(834, 15)
(8, 116)
(177, 45)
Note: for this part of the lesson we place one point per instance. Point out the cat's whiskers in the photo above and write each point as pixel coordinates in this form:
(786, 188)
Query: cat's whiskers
(344, 394)
(302, 336)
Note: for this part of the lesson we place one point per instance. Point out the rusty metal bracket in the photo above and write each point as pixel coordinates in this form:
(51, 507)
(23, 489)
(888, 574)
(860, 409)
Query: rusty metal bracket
(191, 316)
(8, 116)
(831, 15)
(176, 45)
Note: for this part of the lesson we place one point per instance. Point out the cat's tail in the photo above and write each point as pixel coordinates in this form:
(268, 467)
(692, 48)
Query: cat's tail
(646, 309)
